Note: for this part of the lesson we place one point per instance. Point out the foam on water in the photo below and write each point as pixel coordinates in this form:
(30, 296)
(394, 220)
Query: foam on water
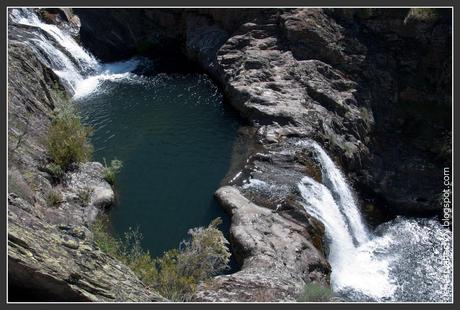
(113, 72)
(78, 70)
(421, 268)
(403, 260)
(352, 266)
(400, 261)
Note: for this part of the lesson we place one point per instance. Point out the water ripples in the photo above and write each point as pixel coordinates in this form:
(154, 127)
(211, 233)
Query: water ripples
(175, 137)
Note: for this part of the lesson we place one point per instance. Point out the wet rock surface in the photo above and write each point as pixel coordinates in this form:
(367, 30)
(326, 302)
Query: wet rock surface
(275, 249)
(51, 252)
(371, 86)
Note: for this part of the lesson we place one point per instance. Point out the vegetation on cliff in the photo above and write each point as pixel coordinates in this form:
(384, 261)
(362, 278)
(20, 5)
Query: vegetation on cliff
(314, 292)
(423, 14)
(67, 140)
(176, 274)
(111, 171)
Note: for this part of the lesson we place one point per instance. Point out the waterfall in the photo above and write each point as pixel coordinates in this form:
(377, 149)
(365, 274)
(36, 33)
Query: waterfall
(335, 181)
(382, 265)
(399, 261)
(334, 205)
(78, 70)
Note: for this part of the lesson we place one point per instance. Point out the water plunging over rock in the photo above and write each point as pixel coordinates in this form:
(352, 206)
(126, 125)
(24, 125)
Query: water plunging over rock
(345, 78)
(78, 70)
(375, 266)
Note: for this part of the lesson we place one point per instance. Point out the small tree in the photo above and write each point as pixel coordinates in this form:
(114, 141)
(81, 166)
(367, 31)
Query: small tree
(206, 254)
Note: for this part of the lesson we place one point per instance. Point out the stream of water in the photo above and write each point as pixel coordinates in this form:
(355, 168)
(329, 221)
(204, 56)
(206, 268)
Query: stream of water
(407, 259)
(175, 136)
(172, 132)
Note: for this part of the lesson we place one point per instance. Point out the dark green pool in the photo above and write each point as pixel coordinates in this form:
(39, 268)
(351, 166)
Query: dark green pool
(174, 136)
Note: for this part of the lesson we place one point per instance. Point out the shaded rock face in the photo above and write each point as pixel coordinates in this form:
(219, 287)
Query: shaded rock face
(406, 76)
(123, 33)
(51, 252)
(371, 85)
(127, 32)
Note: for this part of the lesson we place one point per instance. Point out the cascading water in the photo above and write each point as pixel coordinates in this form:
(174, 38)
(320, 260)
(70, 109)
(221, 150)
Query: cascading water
(403, 260)
(334, 205)
(335, 181)
(400, 261)
(159, 125)
(78, 70)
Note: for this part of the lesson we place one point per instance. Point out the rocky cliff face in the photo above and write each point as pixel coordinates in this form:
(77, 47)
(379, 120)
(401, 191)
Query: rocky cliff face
(372, 86)
(51, 253)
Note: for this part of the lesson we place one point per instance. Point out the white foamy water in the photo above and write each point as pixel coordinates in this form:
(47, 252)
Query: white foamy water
(352, 266)
(403, 260)
(119, 71)
(335, 181)
(400, 261)
(78, 70)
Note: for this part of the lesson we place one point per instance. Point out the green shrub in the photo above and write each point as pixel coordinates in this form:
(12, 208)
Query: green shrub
(54, 198)
(203, 256)
(103, 239)
(422, 14)
(59, 90)
(206, 254)
(67, 140)
(314, 292)
(110, 172)
(177, 272)
(84, 195)
(55, 171)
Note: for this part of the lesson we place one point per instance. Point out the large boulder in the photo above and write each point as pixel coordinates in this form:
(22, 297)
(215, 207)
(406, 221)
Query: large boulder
(60, 262)
(276, 251)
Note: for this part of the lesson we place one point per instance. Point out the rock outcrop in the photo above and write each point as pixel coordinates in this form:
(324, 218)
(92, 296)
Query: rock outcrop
(54, 259)
(51, 252)
(276, 250)
(371, 85)
(359, 81)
